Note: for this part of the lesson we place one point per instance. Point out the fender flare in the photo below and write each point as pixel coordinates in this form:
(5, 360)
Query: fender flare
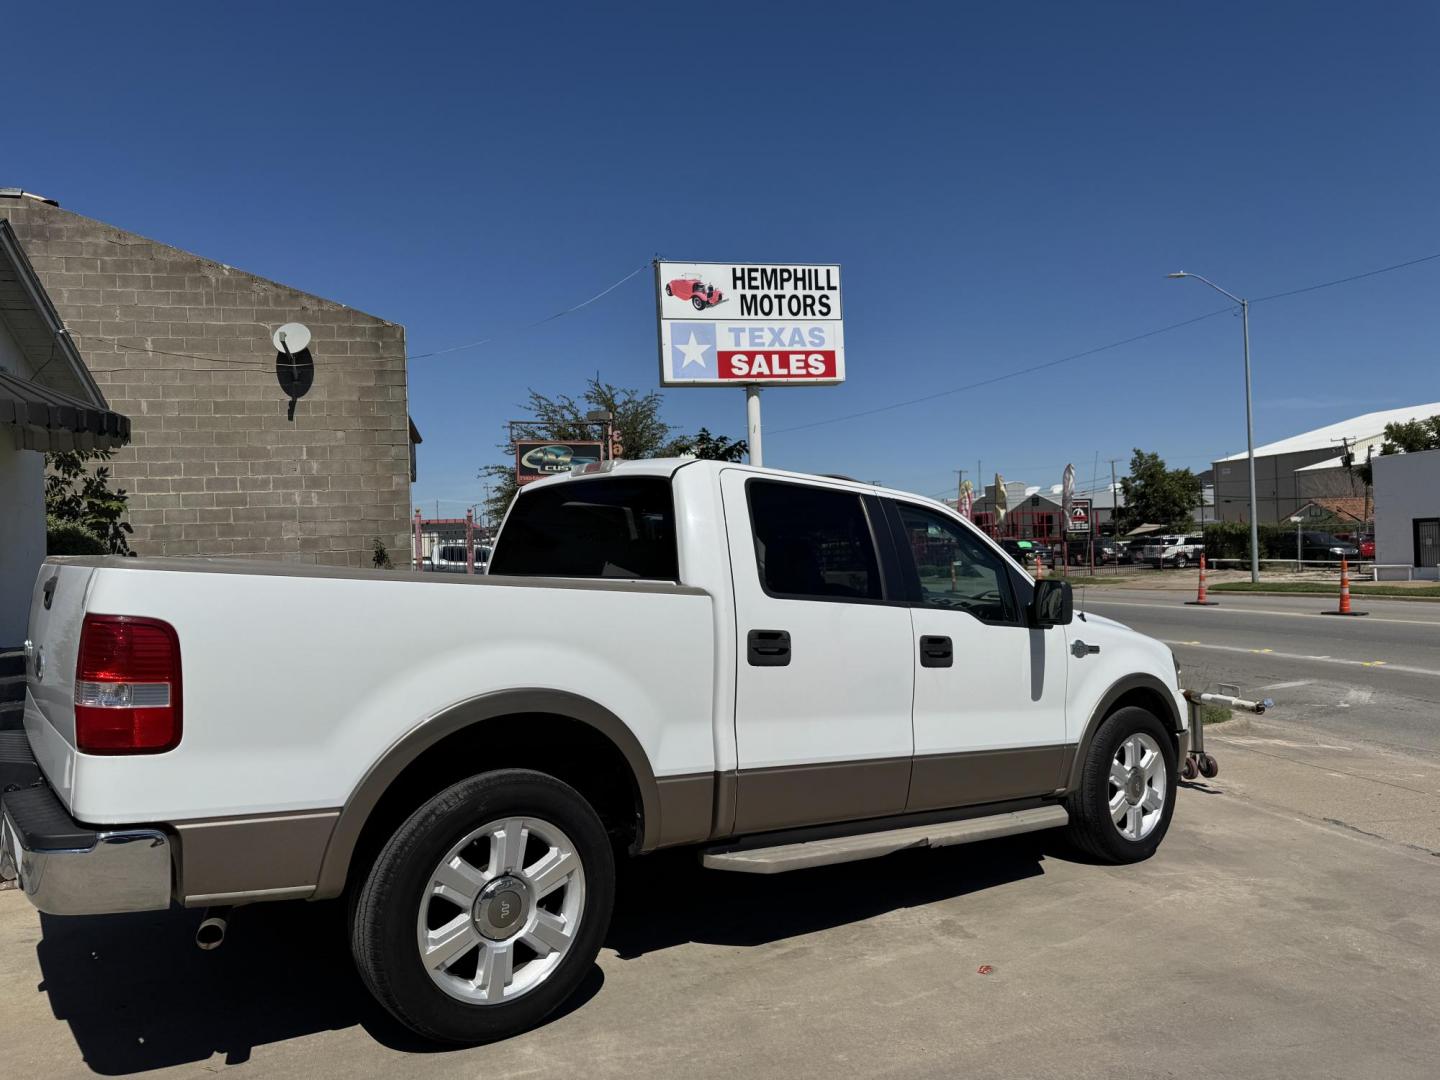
(367, 793)
(1106, 705)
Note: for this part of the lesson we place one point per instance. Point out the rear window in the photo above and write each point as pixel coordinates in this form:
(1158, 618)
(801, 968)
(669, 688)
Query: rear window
(603, 528)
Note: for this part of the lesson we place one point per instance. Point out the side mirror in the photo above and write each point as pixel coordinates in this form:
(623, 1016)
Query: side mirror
(1053, 603)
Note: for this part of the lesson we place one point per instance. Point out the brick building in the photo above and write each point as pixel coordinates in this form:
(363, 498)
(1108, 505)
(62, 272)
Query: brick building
(182, 345)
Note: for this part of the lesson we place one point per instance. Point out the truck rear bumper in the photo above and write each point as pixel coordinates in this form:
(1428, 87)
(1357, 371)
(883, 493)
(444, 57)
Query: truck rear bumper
(66, 868)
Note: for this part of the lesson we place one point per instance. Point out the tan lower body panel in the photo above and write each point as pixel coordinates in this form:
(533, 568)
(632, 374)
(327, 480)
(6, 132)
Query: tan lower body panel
(940, 781)
(789, 795)
(269, 857)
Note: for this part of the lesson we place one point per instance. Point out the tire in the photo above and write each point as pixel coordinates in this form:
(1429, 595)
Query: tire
(698, 302)
(668, 291)
(565, 914)
(1181, 562)
(1093, 828)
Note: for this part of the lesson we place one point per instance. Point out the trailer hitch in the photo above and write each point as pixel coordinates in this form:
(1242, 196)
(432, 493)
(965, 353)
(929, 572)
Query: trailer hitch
(1197, 762)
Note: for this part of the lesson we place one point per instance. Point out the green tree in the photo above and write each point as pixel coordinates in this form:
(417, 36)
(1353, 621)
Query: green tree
(708, 447)
(78, 498)
(1156, 495)
(1402, 437)
(637, 427)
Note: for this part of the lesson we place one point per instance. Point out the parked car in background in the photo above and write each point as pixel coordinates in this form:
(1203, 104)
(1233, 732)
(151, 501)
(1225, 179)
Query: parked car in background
(1029, 553)
(450, 558)
(1178, 550)
(1318, 546)
(1105, 551)
(1366, 544)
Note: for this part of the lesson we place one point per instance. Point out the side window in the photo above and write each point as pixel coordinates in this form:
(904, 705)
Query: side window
(813, 543)
(957, 569)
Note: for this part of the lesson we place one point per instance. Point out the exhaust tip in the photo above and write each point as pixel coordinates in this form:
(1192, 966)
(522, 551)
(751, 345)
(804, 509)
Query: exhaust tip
(211, 933)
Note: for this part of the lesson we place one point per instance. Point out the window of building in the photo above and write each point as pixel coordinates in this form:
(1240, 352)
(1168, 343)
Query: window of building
(957, 569)
(813, 543)
(609, 527)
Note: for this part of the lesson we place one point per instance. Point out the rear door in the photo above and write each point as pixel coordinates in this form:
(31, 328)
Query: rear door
(824, 670)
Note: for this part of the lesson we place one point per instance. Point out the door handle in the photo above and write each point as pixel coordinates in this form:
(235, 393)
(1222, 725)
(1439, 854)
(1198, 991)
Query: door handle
(936, 651)
(1079, 649)
(769, 648)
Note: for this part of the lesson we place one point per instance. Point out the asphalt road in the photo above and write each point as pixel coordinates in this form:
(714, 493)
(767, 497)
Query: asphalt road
(1374, 679)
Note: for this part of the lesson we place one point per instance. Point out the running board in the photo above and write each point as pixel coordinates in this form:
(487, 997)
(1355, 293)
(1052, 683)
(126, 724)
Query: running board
(842, 849)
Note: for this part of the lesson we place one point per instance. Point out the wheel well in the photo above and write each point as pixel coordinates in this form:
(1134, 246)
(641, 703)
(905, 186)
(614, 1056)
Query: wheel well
(1152, 701)
(566, 749)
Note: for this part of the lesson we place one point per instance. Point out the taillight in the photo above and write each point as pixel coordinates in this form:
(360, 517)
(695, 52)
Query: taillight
(127, 686)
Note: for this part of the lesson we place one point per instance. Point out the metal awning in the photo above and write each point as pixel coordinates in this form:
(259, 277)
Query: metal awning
(45, 419)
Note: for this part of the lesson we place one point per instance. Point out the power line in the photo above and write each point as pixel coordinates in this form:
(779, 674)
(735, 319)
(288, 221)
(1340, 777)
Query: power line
(366, 359)
(1008, 375)
(1347, 280)
(1103, 348)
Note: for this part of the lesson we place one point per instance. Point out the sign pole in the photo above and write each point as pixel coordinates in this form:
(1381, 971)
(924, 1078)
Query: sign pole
(752, 424)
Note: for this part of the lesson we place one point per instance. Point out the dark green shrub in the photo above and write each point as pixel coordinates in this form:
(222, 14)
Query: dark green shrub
(71, 538)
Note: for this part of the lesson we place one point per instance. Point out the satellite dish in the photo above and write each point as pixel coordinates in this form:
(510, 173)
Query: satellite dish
(293, 336)
(294, 366)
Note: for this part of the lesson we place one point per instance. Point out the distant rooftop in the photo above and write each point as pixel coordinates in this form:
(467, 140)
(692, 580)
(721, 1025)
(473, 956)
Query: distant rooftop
(1356, 429)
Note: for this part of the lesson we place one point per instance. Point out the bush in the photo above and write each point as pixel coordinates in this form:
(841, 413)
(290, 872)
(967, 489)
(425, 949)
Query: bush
(70, 538)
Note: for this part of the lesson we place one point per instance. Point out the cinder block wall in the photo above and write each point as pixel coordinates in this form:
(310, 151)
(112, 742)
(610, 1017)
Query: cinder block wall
(215, 467)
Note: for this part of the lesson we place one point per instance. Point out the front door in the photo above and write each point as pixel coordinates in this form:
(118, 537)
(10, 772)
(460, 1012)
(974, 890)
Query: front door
(989, 712)
(824, 673)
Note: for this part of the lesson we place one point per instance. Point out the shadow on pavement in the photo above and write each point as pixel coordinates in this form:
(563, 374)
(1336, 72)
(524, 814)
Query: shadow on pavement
(138, 995)
(668, 898)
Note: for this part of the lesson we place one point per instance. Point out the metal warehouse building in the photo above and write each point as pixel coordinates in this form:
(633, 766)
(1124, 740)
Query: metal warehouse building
(1294, 471)
(183, 346)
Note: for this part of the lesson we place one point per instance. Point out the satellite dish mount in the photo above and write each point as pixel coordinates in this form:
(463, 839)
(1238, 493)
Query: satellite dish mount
(294, 366)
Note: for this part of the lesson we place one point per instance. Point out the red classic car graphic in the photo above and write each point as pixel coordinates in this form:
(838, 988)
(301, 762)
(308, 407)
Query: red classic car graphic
(696, 291)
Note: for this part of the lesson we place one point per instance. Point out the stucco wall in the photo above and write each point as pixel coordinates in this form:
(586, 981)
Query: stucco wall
(1407, 486)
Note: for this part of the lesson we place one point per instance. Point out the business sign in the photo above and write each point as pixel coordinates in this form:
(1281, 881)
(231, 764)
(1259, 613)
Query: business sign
(536, 459)
(738, 324)
(1078, 522)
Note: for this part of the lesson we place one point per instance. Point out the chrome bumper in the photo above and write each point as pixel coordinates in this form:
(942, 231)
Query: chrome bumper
(72, 870)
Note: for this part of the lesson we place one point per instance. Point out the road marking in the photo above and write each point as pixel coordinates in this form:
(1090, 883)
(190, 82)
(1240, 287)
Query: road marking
(1314, 659)
(1179, 609)
(1277, 685)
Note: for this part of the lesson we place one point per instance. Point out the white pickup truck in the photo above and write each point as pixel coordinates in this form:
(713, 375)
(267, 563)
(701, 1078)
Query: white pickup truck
(780, 670)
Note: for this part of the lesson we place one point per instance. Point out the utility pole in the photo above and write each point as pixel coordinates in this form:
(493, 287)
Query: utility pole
(959, 487)
(1114, 500)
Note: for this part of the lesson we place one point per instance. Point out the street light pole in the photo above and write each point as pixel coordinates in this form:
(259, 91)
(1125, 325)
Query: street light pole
(1249, 422)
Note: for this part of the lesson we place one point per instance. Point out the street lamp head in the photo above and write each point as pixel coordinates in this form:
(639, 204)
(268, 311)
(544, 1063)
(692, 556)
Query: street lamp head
(1178, 274)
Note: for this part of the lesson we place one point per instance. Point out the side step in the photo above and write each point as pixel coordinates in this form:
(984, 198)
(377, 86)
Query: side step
(843, 849)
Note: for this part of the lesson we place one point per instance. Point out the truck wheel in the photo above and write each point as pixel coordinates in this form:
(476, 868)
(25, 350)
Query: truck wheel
(1122, 808)
(486, 908)
(1181, 562)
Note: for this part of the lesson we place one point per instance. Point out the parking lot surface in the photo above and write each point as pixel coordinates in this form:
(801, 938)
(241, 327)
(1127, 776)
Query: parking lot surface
(1257, 943)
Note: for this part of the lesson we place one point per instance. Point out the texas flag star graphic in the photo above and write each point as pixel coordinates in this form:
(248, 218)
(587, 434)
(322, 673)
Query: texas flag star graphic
(689, 343)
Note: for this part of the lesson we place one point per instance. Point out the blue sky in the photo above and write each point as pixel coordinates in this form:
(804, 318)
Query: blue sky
(1004, 185)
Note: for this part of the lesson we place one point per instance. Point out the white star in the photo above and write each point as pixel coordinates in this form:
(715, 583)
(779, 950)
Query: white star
(694, 352)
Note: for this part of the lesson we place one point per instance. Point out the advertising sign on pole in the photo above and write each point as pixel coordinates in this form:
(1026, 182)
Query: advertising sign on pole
(743, 324)
(1078, 521)
(536, 459)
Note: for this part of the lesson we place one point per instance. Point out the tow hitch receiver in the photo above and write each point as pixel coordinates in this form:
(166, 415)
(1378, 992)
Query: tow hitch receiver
(1197, 762)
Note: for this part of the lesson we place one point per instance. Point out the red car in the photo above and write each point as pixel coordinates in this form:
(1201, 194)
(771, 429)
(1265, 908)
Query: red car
(1366, 544)
(696, 291)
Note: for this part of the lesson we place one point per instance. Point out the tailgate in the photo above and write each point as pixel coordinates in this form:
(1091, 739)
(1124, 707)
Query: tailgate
(57, 610)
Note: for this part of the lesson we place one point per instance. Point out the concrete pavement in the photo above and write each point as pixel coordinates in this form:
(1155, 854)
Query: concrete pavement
(1257, 943)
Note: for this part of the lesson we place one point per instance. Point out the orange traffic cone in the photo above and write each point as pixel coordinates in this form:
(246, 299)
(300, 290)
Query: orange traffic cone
(1344, 608)
(1200, 600)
